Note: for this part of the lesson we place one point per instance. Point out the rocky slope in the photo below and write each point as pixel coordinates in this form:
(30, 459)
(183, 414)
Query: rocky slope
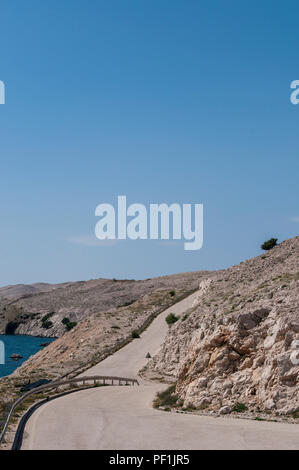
(21, 290)
(39, 309)
(95, 336)
(99, 330)
(238, 347)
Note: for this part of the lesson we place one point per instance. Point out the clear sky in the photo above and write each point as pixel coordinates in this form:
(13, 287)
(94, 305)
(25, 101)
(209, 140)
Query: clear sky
(162, 101)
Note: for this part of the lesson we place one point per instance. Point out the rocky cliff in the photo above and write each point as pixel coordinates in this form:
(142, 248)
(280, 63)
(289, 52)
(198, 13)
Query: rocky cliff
(238, 347)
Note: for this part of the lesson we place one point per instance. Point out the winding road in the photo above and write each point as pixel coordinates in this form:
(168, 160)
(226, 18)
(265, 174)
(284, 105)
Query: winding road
(122, 418)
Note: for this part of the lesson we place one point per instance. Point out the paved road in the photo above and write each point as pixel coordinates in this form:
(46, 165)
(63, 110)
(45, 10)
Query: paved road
(129, 360)
(123, 417)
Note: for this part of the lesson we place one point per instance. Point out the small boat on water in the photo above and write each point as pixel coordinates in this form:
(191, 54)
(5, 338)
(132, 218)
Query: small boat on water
(16, 357)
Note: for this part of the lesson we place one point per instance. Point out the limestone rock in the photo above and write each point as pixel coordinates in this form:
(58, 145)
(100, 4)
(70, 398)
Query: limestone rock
(240, 344)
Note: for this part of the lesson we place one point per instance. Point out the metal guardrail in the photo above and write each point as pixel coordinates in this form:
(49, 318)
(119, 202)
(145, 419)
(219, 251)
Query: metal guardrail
(96, 379)
(91, 363)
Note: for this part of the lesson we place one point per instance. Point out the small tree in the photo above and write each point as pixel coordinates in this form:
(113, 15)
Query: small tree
(70, 325)
(135, 334)
(269, 244)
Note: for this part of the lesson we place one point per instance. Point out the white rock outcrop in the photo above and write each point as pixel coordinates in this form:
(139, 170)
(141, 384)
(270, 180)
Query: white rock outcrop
(240, 344)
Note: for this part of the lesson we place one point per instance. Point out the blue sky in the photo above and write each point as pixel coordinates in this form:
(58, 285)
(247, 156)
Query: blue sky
(162, 101)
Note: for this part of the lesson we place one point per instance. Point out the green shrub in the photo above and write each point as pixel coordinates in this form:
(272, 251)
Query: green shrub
(172, 293)
(269, 244)
(240, 408)
(70, 325)
(47, 324)
(171, 318)
(135, 334)
(46, 317)
(166, 398)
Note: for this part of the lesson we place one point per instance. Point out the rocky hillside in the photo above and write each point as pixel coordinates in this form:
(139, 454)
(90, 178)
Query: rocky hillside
(107, 311)
(39, 309)
(238, 347)
(21, 290)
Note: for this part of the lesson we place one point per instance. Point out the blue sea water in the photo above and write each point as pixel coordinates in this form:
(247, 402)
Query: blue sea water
(26, 346)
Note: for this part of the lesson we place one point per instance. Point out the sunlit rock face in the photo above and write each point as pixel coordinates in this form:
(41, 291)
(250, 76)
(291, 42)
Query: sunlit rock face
(240, 342)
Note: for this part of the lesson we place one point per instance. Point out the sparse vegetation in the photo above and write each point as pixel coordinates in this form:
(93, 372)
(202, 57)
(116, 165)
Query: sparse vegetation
(47, 324)
(127, 304)
(166, 398)
(191, 408)
(203, 406)
(71, 325)
(269, 244)
(47, 317)
(240, 407)
(171, 318)
(68, 324)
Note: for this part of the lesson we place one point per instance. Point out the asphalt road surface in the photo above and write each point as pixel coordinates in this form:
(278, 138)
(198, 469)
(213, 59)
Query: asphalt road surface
(123, 418)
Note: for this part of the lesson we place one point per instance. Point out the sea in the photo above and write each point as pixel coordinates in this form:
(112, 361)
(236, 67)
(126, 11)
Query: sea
(26, 346)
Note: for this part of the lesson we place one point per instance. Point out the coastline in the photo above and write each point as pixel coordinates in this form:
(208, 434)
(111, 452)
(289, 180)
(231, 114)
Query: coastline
(23, 345)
